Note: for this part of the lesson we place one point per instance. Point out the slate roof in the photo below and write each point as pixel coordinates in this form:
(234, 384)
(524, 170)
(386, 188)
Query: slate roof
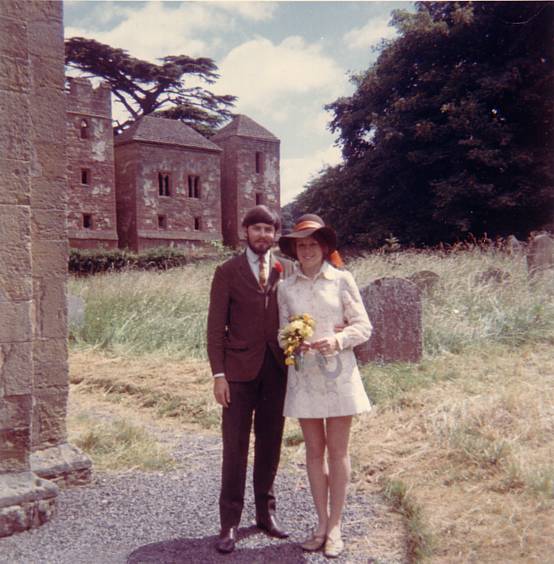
(167, 131)
(244, 126)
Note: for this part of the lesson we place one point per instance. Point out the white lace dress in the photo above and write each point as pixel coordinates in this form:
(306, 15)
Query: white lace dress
(334, 388)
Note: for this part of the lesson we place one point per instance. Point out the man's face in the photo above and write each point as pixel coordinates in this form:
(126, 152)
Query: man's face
(260, 237)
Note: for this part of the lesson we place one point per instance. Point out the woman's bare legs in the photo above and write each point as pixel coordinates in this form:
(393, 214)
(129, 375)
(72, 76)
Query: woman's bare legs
(338, 436)
(318, 474)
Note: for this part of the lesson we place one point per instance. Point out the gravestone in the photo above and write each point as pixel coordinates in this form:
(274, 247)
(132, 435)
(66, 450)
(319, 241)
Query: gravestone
(394, 309)
(425, 280)
(540, 255)
(492, 275)
(75, 311)
(513, 245)
(33, 254)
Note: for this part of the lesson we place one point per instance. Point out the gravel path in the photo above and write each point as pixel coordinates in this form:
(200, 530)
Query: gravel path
(172, 517)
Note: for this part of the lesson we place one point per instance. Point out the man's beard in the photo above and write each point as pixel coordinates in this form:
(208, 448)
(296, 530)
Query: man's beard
(260, 247)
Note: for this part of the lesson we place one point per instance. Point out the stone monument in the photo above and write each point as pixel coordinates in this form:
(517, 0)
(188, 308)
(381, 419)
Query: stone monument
(394, 309)
(33, 254)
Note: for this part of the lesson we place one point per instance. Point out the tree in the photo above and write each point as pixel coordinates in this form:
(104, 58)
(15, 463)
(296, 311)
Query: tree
(144, 88)
(451, 131)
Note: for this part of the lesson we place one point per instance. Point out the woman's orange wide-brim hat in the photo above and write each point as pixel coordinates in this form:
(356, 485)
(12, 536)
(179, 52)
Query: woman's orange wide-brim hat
(306, 226)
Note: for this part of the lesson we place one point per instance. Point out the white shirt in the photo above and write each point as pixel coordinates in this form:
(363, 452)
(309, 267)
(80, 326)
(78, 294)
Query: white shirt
(254, 261)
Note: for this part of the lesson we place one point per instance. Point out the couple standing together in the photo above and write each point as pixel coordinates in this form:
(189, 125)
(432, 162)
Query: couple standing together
(252, 295)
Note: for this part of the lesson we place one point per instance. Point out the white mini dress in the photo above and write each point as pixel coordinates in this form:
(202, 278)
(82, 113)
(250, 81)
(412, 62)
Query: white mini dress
(332, 387)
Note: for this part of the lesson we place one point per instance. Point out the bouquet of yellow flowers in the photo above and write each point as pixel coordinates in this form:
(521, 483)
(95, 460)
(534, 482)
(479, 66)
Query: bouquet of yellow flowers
(299, 328)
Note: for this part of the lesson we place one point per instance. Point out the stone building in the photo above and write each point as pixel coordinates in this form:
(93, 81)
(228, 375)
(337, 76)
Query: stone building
(34, 382)
(160, 182)
(167, 184)
(249, 172)
(91, 218)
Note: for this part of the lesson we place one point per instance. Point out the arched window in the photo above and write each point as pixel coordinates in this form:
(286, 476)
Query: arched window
(84, 129)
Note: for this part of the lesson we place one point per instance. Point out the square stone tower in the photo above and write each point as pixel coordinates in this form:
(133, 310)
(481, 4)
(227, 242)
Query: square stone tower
(91, 217)
(249, 173)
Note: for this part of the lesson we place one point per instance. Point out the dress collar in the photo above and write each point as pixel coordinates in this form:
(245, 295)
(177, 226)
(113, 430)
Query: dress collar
(326, 271)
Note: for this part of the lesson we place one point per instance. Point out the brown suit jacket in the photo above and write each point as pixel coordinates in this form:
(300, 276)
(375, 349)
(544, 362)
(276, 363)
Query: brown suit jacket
(243, 320)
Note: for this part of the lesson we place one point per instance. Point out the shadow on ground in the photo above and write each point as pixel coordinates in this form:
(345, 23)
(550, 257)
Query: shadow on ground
(202, 551)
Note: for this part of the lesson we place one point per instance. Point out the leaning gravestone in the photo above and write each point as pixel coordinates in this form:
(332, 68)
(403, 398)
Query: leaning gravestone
(513, 245)
(425, 280)
(75, 311)
(394, 309)
(540, 256)
(492, 275)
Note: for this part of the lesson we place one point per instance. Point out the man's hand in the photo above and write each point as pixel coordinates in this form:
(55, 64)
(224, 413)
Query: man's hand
(222, 393)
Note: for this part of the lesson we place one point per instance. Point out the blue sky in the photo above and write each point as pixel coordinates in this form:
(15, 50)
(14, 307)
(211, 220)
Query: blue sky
(284, 60)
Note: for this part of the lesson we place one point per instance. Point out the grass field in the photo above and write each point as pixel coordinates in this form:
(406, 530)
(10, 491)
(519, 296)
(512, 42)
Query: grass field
(460, 443)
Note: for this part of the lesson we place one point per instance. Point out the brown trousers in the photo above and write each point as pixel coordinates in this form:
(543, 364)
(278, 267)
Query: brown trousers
(262, 400)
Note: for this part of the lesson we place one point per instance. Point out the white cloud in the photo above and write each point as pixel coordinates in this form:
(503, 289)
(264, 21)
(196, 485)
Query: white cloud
(296, 172)
(370, 34)
(267, 77)
(255, 11)
(158, 29)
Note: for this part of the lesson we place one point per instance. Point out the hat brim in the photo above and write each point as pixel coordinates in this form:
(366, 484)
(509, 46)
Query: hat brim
(287, 243)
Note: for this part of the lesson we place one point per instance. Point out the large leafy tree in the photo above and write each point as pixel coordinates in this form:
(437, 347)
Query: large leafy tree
(145, 88)
(451, 130)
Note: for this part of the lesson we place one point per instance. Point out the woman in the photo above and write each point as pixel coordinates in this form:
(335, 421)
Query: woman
(326, 391)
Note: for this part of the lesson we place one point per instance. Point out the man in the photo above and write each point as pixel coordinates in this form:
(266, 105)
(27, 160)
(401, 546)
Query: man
(249, 373)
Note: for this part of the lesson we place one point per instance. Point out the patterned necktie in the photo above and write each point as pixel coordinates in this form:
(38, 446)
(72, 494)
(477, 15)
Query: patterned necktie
(262, 275)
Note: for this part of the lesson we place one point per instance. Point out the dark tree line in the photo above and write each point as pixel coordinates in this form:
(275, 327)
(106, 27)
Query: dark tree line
(450, 132)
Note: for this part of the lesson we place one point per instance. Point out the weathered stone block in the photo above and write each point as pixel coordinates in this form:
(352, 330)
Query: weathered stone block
(16, 322)
(13, 74)
(49, 225)
(49, 414)
(50, 259)
(13, 33)
(26, 501)
(15, 412)
(14, 141)
(49, 193)
(16, 366)
(50, 363)
(394, 309)
(47, 166)
(63, 464)
(50, 309)
(15, 445)
(15, 257)
(15, 187)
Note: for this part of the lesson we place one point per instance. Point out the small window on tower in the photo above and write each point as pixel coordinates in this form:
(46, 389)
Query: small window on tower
(259, 163)
(162, 222)
(259, 198)
(85, 176)
(194, 186)
(84, 129)
(197, 224)
(164, 184)
(87, 221)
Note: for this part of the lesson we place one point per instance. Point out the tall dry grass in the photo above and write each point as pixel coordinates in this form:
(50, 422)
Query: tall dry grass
(165, 312)
(461, 443)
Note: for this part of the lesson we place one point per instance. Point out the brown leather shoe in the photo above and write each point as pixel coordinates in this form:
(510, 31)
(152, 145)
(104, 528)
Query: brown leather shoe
(272, 527)
(226, 541)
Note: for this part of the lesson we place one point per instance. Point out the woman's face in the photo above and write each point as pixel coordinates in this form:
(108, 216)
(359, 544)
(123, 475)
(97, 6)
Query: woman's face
(309, 253)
